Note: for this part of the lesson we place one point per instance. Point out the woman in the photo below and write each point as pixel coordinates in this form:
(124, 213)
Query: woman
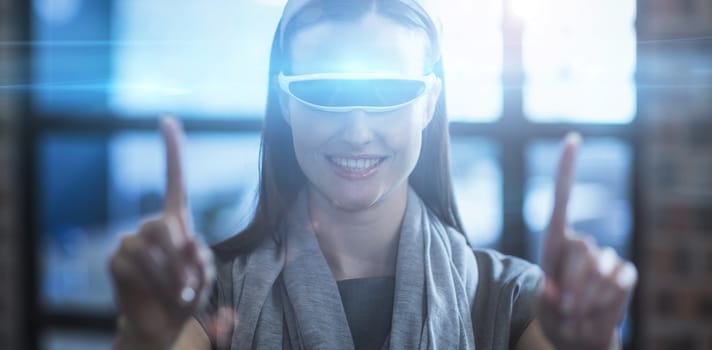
(356, 241)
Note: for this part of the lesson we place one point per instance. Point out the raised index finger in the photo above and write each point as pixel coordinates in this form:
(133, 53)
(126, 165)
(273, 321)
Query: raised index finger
(563, 183)
(175, 200)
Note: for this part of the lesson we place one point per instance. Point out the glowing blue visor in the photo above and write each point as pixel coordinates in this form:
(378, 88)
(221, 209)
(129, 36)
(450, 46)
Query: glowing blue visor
(344, 92)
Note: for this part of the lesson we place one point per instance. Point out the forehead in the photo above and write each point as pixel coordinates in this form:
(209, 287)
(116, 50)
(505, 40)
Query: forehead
(373, 43)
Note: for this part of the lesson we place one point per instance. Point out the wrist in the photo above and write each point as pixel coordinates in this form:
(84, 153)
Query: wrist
(615, 343)
(129, 337)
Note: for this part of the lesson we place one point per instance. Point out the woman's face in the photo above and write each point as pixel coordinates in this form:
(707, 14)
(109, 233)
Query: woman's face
(356, 159)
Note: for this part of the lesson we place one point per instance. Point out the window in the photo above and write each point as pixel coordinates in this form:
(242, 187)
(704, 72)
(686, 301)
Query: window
(519, 75)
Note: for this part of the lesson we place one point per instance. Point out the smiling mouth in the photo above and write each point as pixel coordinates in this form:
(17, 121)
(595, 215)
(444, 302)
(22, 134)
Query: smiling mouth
(356, 164)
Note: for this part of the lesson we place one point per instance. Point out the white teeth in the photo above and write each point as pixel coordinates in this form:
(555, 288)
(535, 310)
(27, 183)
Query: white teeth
(355, 164)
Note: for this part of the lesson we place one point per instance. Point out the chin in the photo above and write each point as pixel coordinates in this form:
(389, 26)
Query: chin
(354, 196)
(354, 201)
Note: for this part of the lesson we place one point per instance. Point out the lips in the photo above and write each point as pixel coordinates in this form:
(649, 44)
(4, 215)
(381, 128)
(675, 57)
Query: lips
(358, 167)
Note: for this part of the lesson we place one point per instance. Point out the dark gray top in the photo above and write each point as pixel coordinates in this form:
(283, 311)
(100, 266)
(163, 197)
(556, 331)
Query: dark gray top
(504, 303)
(368, 304)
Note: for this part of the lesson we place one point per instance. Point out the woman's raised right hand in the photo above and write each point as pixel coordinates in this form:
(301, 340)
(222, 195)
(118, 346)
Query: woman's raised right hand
(161, 271)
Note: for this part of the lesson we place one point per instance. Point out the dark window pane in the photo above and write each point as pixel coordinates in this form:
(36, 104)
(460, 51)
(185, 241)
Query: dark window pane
(477, 180)
(72, 193)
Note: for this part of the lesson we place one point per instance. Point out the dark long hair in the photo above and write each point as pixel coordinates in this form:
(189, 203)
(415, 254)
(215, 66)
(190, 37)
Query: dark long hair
(281, 178)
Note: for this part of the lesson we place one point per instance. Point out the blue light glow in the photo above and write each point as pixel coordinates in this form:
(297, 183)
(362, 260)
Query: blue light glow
(213, 59)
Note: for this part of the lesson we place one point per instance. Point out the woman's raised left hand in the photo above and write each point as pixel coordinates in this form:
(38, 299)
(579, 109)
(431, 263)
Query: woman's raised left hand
(587, 287)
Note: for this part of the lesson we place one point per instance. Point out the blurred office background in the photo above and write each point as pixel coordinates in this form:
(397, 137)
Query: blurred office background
(82, 83)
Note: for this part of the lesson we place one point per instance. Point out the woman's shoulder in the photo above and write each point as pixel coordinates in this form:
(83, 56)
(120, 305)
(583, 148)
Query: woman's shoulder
(491, 264)
(506, 298)
(494, 266)
(495, 271)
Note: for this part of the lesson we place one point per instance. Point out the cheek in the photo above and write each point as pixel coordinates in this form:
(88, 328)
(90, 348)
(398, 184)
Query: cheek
(406, 146)
(405, 138)
(407, 131)
(309, 127)
(306, 141)
(311, 131)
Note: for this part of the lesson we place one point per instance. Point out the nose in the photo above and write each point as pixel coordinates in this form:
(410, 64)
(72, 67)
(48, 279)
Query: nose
(357, 130)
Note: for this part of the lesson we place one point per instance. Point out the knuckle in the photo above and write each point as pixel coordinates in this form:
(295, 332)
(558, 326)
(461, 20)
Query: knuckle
(609, 251)
(610, 280)
(631, 267)
(630, 275)
(149, 227)
(157, 229)
(119, 267)
(591, 257)
(206, 254)
(617, 281)
(607, 260)
(578, 246)
(593, 274)
(125, 241)
(129, 243)
(619, 289)
(588, 240)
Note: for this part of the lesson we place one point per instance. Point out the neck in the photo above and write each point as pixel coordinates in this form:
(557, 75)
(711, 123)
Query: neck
(361, 243)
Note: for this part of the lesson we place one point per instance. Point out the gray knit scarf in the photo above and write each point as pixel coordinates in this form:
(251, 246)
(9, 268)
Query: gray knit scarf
(286, 297)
